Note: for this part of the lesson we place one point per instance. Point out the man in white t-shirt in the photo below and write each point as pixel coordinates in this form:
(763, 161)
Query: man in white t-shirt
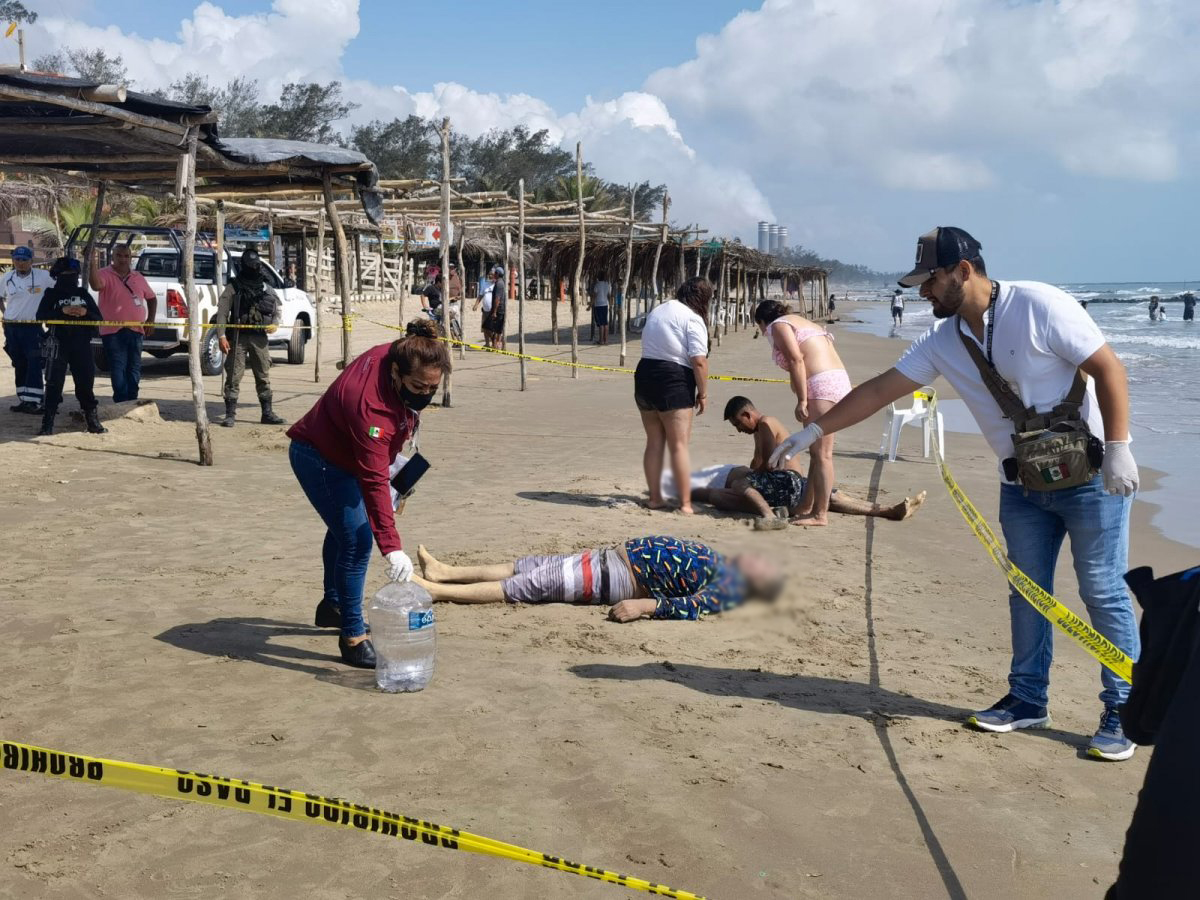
(898, 307)
(601, 291)
(1036, 337)
(21, 289)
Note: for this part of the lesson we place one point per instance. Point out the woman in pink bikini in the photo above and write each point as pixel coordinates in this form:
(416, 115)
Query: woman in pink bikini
(819, 380)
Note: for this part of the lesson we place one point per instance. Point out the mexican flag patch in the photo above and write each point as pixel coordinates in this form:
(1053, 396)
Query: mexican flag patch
(374, 431)
(1052, 474)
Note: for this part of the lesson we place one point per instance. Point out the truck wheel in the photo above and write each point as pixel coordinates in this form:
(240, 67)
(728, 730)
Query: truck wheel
(101, 357)
(299, 338)
(212, 360)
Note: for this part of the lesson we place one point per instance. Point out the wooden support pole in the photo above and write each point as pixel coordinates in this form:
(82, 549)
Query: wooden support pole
(270, 254)
(578, 286)
(626, 306)
(731, 307)
(683, 256)
(445, 134)
(405, 274)
(320, 293)
(666, 204)
(521, 278)
(555, 286)
(193, 300)
(341, 253)
(97, 214)
(219, 249)
(462, 280)
(358, 270)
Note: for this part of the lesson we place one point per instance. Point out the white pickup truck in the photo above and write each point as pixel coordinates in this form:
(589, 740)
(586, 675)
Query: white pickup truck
(157, 252)
(160, 266)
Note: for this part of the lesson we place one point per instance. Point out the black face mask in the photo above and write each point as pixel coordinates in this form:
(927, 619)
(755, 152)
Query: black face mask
(67, 279)
(414, 401)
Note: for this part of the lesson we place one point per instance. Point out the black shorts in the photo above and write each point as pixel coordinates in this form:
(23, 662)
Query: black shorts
(493, 324)
(661, 386)
(600, 315)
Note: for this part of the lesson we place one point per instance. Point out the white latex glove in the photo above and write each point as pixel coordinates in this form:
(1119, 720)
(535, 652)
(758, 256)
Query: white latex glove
(400, 567)
(1119, 469)
(797, 443)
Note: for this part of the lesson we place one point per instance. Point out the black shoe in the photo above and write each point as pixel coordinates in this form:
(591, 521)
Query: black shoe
(92, 417)
(269, 417)
(328, 615)
(361, 655)
(230, 414)
(27, 406)
(47, 425)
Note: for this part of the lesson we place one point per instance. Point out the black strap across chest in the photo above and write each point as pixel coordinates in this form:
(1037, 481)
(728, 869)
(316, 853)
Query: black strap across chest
(1024, 418)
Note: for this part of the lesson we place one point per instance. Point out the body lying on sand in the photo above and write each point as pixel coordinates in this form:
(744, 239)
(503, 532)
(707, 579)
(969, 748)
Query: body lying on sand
(654, 577)
(759, 490)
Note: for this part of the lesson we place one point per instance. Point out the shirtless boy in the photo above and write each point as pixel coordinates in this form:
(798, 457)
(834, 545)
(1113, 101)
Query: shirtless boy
(760, 490)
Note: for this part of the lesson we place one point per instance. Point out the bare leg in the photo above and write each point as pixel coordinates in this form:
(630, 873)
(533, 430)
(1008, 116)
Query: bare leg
(678, 427)
(730, 500)
(444, 574)
(652, 459)
(483, 592)
(820, 471)
(897, 512)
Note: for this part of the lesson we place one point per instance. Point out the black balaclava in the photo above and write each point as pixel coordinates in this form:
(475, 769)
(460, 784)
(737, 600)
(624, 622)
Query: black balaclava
(250, 272)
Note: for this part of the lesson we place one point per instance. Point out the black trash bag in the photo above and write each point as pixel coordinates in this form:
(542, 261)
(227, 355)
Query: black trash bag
(1170, 627)
(1164, 709)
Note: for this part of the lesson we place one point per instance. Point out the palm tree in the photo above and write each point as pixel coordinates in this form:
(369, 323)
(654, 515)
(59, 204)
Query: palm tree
(67, 216)
(564, 188)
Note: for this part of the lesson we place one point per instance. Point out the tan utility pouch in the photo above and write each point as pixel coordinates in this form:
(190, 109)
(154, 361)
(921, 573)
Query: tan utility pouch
(1051, 451)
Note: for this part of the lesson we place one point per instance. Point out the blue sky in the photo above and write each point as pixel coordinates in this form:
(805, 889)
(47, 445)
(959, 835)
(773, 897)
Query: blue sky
(1065, 134)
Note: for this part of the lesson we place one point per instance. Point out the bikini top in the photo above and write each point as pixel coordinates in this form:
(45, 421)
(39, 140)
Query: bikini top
(802, 335)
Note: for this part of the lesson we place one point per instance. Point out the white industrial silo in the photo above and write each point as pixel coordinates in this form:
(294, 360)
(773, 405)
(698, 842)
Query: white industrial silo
(764, 237)
(783, 238)
(773, 244)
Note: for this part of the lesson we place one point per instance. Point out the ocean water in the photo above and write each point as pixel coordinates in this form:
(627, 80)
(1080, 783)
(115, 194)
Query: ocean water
(1163, 361)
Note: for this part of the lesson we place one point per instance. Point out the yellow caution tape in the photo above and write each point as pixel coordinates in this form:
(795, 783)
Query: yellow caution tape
(92, 323)
(1109, 655)
(247, 796)
(573, 365)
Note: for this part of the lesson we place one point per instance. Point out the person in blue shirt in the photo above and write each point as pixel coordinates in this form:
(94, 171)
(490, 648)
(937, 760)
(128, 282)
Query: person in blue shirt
(655, 577)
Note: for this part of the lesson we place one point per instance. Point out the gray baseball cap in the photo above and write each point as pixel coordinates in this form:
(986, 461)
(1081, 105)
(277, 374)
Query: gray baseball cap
(937, 249)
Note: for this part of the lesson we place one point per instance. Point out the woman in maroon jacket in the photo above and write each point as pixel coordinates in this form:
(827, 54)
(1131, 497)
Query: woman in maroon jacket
(341, 452)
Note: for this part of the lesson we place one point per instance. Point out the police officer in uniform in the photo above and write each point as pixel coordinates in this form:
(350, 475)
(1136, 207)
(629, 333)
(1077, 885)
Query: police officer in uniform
(69, 346)
(20, 293)
(248, 301)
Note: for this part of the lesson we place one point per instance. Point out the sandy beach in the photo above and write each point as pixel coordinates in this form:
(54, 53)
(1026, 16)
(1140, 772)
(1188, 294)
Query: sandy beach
(160, 612)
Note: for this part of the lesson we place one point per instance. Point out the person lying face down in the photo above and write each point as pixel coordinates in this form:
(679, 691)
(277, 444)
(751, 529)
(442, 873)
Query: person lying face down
(760, 490)
(656, 577)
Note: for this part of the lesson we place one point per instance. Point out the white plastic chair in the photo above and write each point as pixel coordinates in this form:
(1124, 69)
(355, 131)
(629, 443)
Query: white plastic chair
(917, 414)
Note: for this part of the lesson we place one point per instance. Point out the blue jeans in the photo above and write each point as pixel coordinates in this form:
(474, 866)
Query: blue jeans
(337, 498)
(1034, 526)
(124, 352)
(23, 344)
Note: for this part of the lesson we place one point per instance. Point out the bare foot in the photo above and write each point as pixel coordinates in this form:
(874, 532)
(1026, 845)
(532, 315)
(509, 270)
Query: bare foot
(810, 520)
(430, 567)
(912, 504)
(686, 511)
(657, 504)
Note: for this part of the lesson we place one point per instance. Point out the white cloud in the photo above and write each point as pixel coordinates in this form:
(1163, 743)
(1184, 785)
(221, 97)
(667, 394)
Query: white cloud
(946, 88)
(297, 39)
(631, 138)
